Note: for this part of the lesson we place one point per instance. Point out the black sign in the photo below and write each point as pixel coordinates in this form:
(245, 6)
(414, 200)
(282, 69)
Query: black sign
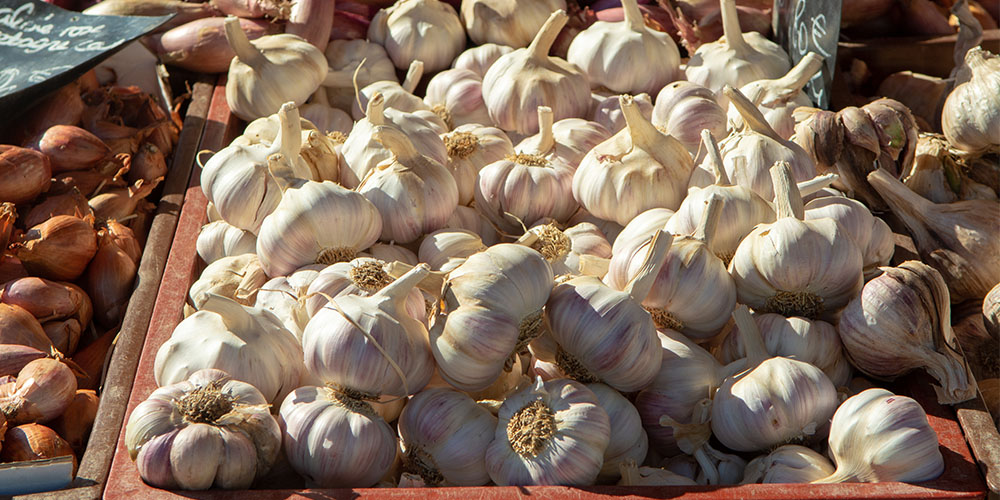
(43, 47)
(804, 26)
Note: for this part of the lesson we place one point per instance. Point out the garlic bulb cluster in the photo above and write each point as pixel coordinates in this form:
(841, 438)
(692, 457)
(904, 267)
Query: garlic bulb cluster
(470, 148)
(578, 250)
(683, 109)
(220, 239)
(969, 122)
(206, 430)
(615, 54)
(324, 116)
(523, 188)
(640, 229)
(479, 59)
(351, 60)
(569, 139)
(456, 95)
(788, 463)
(879, 436)
(425, 30)
(871, 234)
(636, 169)
(513, 23)
(554, 433)
(901, 321)
(518, 82)
(777, 98)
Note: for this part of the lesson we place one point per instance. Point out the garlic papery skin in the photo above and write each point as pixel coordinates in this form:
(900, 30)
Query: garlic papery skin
(788, 463)
(220, 239)
(470, 148)
(554, 433)
(470, 219)
(871, 234)
(444, 436)
(613, 54)
(742, 208)
(497, 294)
(478, 59)
(525, 187)
(426, 30)
(249, 343)
(901, 321)
(238, 277)
(354, 59)
(683, 109)
(774, 401)
(414, 194)
(636, 169)
(628, 441)
(446, 249)
(879, 436)
(314, 223)
(775, 273)
(814, 342)
(397, 95)
(748, 153)
(284, 296)
(969, 122)
(207, 430)
(316, 418)
(569, 139)
(456, 95)
(609, 113)
(258, 82)
(777, 98)
(632, 475)
(513, 23)
(524, 79)
(363, 277)
(693, 293)
(578, 250)
(604, 335)
(737, 58)
(386, 348)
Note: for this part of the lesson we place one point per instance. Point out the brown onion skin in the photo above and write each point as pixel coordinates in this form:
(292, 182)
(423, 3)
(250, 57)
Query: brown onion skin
(46, 299)
(34, 442)
(24, 174)
(11, 269)
(14, 357)
(148, 164)
(75, 423)
(86, 181)
(201, 45)
(71, 202)
(42, 391)
(64, 334)
(72, 148)
(59, 248)
(119, 203)
(90, 359)
(125, 239)
(18, 326)
(62, 107)
(109, 281)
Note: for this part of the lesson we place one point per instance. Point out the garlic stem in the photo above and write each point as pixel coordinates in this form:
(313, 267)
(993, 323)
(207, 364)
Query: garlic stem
(281, 171)
(542, 43)
(401, 287)
(289, 141)
(787, 199)
(233, 315)
(752, 116)
(245, 51)
(799, 76)
(432, 283)
(375, 111)
(546, 140)
(638, 288)
(644, 134)
(753, 343)
(714, 158)
(817, 183)
(413, 75)
(629, 471)
(396, 142)
(709, 221)
(633, 16)
(912, 208)
(731, 28)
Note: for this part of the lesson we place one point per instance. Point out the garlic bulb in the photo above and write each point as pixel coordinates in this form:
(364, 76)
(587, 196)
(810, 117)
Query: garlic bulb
(788, 463)
(456, 96)
(936, 173)
(553, 433)
(220, 239)
(284, 296)
(258, 82)
(871, 234)
(414, 193)
(387, 349)
(513, 23)
(901, 321)
(426, 30)
(610, 230)
(238, 277)
(640, 229)
(397, 95)
(693, 293)
(444, 436)
(774, 274)
(207, 430)
(777, 98)
(960, 240)
(636, 169)
(609, 113)
(326, 118)
(351, 60)
(628, 441)
(470, 148)
(470, 219)
(879, 436)
(569, 139)
(316, 418)
(742, 208)
(748, 153)
(737, 58)
(497, 293)
(814, 342)
(524, 79)
(363, 277)
(578, 250)
(775, 400)
(249, 343)
(478, 59)
(446, 249)
(391, 253)
(969, 122)
(683, 109)
(614, 54)
(525, 187)
(604, 335)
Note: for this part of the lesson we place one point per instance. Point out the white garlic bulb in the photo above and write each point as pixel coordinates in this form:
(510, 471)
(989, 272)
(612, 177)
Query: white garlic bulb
(553, 433)
(737, 58)
(315, 155)
(525, 187)
(513, 23)
(391, 252)
(774, 274)
(414, 194)
(456, 95)
(446, 249)
(777, 98)
(879, 436)
(249, 343)
(351, 60)
(609, 113)
(470, 148)
(398, 96)
(205, 431)
(610, 230)
(788, 463)
(362, 276)
(636, 169)
(524, 79)
(444, 435)
(615, 55)
(238, 277)
(326, 118)
(628, 441)
(478, 59)
(683, 109)
(470, 219)
(578, 250)
(284, 296)
(220, 239)
(640, 229)
(426, 30)
(969, 122)
(291, 235)
(569, 139)
(872, 235)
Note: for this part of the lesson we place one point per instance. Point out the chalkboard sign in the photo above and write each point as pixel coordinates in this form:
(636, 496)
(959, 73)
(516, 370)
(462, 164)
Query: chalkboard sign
(803, 26)
(43, 47)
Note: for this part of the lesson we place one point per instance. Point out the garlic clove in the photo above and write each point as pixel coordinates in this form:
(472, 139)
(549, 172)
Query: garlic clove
(238, 277)
(608, 112)
(446, 249)
(627, 441)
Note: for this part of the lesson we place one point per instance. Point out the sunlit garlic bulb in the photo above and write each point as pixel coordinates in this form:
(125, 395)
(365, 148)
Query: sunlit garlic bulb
(628, 441)
(578, 250)
(470, 148)
(683, 109)
(426, 30)
(569, 139)
(513, 23)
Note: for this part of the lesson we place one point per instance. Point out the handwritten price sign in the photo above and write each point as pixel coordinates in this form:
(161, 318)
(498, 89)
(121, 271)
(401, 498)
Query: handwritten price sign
(804, 26)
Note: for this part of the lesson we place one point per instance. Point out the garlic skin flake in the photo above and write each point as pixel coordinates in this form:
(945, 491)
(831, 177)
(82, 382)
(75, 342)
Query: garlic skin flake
(788, 463)
(238, 277)
(970, 118)
(284, 296)
(425, 30)
(513, 23)
(554, 433)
